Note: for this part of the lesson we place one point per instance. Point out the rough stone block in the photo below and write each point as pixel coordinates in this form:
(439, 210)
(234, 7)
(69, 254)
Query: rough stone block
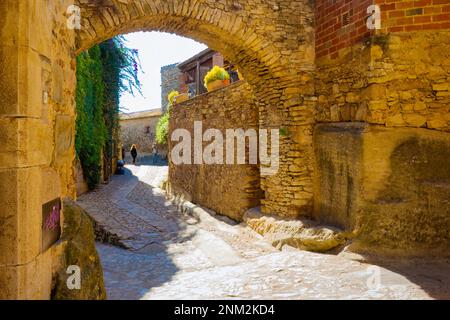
(31, 281)
(26, 142)
(64, 139)
(20, 215)
(390, 186)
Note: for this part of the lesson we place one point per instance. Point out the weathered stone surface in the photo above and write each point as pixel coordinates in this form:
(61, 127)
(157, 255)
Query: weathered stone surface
(170, 80)
(20, 215)
(79, 250)
(300, 233)
(30, 281)
(402, 77)
(64, 139)
(139, 128)
(227, 189)
(274, 49)
(390, 187)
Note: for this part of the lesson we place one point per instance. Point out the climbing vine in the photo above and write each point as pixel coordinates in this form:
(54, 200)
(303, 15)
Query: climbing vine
(103, 74)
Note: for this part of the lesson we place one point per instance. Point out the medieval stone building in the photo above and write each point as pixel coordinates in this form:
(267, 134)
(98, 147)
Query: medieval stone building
(170, 80)
(360, 95)
(139, 128)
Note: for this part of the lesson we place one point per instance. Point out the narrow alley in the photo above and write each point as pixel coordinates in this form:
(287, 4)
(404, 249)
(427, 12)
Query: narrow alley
(161, 253)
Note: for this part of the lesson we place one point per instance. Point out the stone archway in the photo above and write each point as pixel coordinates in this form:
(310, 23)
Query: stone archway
(271, 41)
(273, 45)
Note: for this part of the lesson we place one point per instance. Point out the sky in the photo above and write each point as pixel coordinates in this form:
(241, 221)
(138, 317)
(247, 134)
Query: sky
(156, 49)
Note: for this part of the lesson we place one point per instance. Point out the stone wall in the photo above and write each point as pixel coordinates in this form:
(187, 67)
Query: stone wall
(389, 187)
(140, 131)
(384, 177)
(37, 121)
(272, 43)
(78, 248)
(170, 80)
(341, 24)
(394, 80)
(227, 189)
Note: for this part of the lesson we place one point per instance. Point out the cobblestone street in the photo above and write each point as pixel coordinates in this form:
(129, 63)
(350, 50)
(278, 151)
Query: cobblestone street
(165, 254)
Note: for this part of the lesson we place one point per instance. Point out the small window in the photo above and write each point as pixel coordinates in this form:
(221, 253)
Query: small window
(346, 18)
(147, 129)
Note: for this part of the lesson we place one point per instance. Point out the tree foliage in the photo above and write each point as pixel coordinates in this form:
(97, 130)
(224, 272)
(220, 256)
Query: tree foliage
(162, 129)
(103, 73)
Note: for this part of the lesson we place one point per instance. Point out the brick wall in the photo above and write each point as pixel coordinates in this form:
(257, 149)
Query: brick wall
(340, 24)
(227, 189)
(409, 15)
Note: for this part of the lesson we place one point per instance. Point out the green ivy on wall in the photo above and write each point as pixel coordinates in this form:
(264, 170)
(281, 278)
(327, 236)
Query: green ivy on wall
(103, 73)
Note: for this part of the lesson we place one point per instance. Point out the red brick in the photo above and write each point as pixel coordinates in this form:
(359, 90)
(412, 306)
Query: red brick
(413, 28)
(395, 29)
(404, 21)
(431, 10)
(422, 3)
(432, 26)
(441, 1)
(396, 14)
(387, 7)
(442, 17)
(404, 4)
(422, 19)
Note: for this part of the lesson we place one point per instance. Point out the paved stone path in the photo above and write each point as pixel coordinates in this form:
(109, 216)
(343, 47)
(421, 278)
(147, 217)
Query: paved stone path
(171, 255)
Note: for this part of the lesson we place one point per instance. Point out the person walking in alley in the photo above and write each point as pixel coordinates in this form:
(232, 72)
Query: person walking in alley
(134, 153)
(155, 153)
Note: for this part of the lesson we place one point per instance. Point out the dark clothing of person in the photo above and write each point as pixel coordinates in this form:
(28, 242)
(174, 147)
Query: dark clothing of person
(155, 154)
(134, 154)
(234, 76)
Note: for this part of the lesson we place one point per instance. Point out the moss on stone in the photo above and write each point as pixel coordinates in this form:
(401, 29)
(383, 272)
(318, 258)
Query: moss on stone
(80, 251)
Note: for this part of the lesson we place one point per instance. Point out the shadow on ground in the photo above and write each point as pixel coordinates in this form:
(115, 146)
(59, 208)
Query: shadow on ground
(134, 226)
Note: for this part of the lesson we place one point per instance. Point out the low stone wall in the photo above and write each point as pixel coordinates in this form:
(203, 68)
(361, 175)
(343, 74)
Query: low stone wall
(78, 249)
(389, 186)
(227, 189)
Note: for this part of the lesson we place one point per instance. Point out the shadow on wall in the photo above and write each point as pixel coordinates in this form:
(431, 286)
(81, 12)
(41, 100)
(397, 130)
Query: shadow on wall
(389, 186)
(415, 214)
(413, 209)
(134, 228)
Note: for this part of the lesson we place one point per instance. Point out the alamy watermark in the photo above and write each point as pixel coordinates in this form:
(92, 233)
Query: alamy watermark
(231, 149)
(74, 17)
(74, 279)
(374, 20)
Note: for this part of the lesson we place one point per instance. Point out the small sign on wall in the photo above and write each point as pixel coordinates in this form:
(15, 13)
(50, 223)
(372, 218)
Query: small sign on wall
(51, 223)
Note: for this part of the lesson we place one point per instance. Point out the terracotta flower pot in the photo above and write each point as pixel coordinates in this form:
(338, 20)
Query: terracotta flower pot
(214, 85)
(182, 98)
(226, 82)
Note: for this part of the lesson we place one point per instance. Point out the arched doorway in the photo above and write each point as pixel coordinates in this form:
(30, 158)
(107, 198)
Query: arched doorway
(273, 44)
